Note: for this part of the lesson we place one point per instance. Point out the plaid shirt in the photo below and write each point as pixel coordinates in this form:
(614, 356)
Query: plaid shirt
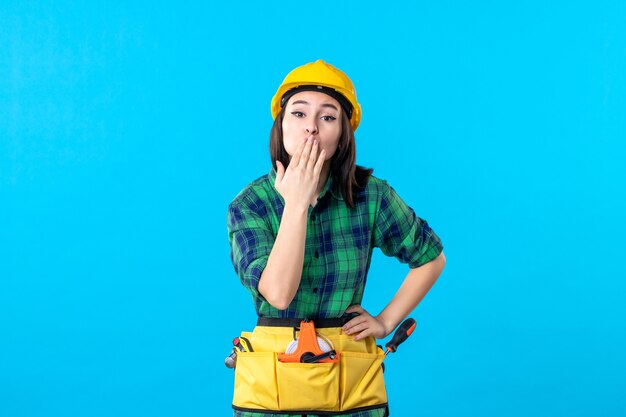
(338, 248)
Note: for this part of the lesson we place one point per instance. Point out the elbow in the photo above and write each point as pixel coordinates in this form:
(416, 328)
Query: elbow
(279, 303)
(436, 265)
(440, 261)
(275, 298)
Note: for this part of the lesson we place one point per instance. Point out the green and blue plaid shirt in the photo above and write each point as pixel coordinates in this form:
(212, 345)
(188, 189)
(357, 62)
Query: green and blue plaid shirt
(338, 248)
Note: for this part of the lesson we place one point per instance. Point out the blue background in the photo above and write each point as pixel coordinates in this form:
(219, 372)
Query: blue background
(125, 131)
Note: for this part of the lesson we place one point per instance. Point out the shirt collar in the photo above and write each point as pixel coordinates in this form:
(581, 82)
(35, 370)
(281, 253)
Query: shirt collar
(329, 186)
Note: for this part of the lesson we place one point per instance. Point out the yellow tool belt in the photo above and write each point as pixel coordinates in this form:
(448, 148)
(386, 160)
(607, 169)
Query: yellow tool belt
(265, 384)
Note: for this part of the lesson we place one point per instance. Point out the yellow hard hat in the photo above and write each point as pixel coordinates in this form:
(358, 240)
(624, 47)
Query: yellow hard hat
(323, 77)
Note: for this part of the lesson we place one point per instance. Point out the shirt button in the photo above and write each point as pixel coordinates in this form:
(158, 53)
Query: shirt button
(317, 254)
(315, 290)
(313, 217)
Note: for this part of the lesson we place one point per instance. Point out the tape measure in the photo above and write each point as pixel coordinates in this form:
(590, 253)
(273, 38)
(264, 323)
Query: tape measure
(324, 345)
(309, 347)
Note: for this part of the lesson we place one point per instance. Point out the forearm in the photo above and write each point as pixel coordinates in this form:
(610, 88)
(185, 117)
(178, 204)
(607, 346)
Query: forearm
(415, 286)
(281, 277)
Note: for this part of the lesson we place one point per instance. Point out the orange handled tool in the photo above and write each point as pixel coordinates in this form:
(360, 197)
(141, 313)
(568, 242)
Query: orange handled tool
(308, 350)
(403, 332)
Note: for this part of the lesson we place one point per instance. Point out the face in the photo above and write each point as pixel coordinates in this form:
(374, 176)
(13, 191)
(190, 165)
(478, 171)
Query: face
(312, 114)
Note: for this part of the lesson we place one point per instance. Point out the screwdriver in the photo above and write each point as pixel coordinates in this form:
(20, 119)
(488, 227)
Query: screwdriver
(403, 332)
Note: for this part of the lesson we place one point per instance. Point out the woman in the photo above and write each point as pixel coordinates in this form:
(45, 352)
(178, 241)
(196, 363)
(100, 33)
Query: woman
(301, 240)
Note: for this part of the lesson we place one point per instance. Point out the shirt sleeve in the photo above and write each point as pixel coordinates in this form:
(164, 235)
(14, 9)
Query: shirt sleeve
(400, 233)
(251, 242)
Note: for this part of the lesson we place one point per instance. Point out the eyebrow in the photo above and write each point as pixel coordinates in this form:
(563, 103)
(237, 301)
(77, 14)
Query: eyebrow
(332, 106)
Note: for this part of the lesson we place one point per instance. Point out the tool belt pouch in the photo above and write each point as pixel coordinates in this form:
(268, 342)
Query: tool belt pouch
(265, 384)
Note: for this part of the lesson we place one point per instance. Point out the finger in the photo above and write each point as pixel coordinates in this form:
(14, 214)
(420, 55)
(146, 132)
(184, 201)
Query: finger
(320, 163)
(358, 328)
(295, 159)
(349, 326)
(280, 171)
(364, 334)
(304, 158)
(314, 154)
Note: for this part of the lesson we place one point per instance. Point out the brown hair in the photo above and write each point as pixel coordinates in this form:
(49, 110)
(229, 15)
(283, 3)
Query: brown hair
(350, 177)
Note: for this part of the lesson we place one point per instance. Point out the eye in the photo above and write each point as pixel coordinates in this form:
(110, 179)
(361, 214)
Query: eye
(328, 118)
(297, 113)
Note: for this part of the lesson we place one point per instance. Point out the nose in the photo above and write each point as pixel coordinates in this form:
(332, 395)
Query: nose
(311, 129)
